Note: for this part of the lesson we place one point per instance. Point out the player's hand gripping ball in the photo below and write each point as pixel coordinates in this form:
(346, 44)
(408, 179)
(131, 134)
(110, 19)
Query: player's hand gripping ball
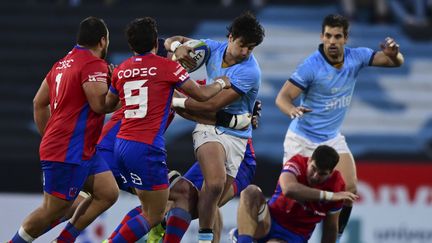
(200, 55)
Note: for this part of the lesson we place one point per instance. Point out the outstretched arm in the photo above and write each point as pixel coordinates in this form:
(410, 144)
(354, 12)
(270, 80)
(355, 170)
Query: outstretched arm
(204, 92)
(293, 189)
(389, 56)
(224, 98)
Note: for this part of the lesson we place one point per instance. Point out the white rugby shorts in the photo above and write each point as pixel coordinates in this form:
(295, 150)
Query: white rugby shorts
(295, 144)
(235, 147)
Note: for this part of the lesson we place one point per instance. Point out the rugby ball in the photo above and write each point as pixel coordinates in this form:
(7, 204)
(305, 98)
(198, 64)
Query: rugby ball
(201, 55)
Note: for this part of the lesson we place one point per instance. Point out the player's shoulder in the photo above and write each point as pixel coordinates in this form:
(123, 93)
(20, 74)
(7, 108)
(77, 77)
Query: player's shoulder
(214, 44)
(249, 67)
(354, 52)
(311, 61)
(298, 162)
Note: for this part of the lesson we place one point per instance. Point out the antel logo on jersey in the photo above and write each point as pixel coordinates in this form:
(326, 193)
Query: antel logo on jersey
(137, 72)
(338, 103)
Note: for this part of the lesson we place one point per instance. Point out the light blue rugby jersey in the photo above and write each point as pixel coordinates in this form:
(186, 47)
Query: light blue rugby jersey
(245, 79)
(327, 91)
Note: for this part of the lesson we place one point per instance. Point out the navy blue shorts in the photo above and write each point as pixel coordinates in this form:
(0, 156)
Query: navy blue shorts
(279, 232)
(66, 180)
(142, 165)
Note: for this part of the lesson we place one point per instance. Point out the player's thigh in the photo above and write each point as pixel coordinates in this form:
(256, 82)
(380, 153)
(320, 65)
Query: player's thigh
(211, 157)
(347, 168)
(100, 182)
(214, 147)
(346, 164)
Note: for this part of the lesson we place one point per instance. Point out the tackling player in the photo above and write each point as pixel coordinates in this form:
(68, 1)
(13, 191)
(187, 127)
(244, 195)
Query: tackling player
(145, 84)
(309, 190)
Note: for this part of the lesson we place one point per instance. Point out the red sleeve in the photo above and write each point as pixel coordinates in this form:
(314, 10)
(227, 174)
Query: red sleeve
(293, 166)
(96, 71)
(176, 73)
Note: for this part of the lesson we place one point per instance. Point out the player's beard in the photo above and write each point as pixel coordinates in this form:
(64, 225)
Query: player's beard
(334, 53)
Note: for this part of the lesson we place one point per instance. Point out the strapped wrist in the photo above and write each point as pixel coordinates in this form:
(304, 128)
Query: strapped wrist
(221, 82)
(175, 45)
(325, 195)
(179, 102)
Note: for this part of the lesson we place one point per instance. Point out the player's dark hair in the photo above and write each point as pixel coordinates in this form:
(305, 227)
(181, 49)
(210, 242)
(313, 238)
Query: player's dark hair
(90, 31)
(335, 20)
(325, 157)
(142, 34)
(247, 27)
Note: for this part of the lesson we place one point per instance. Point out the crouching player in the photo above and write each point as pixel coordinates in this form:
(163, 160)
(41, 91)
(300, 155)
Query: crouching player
(309, 190)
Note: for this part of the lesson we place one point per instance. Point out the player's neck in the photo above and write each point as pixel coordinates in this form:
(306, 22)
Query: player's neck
(96, 53)
(335, 60)
(229, 60)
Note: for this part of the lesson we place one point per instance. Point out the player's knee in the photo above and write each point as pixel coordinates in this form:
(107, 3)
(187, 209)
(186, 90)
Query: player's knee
(215, 187)
(250, 195)
(183, 190)
(109, 196)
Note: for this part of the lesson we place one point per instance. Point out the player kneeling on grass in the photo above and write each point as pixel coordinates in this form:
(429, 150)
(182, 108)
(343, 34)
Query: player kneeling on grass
(309, 190)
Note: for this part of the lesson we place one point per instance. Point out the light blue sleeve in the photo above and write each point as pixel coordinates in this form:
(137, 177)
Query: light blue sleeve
(363, 55)
(212, 44)
(245, 80)
(303, 75)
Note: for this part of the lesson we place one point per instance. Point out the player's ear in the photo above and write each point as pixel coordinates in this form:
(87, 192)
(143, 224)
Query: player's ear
(103, 41)
(230, 38)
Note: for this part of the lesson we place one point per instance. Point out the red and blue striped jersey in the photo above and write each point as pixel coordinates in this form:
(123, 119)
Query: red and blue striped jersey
(301, 217)
(145, 85)
(73, 128)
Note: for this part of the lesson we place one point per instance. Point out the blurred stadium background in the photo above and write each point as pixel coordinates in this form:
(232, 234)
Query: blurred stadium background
(389, 126)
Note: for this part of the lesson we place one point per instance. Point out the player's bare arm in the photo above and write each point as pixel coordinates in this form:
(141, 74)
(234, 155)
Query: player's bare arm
(41, 109)
(293, 189)
(111, 102)
(285, 98)
(95, 93)
(330, 228)
(173, 44)
(200, 117)
(389, 56)
(205, 92)
(224, 98)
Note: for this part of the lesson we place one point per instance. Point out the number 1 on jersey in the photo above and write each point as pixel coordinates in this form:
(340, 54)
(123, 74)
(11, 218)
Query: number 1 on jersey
(140, 99)
(57, 80)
